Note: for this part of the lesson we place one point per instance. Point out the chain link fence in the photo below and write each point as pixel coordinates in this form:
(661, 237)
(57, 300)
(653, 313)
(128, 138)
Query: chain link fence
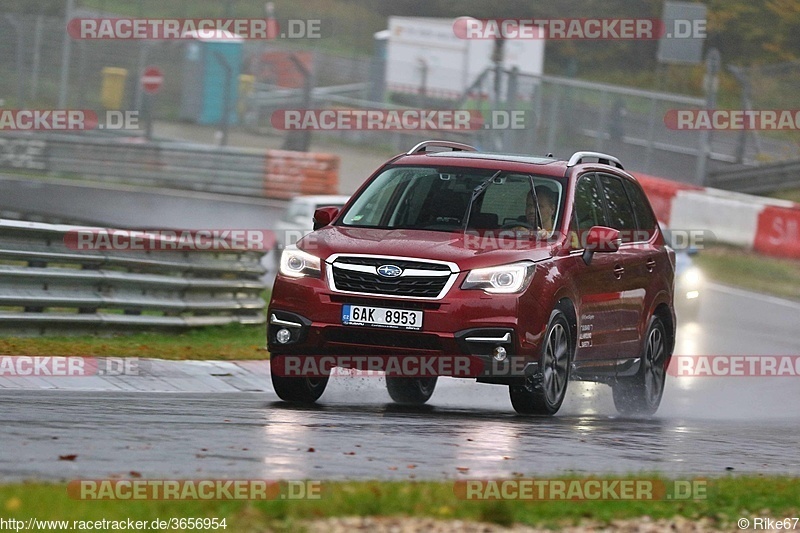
(561, 115)
(31, 59)
(769, 87)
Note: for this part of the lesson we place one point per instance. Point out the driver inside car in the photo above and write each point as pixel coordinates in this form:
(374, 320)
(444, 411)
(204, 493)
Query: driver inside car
(547, 209)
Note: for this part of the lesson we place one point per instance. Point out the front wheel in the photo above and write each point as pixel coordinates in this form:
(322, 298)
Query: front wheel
(299, 389)
(544, 393)
(411, 391)
(641, 394)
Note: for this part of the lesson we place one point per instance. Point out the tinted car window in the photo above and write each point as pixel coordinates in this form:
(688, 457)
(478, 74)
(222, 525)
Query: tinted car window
(505, 201)
(588, 203)
(620, 212)
(645, 220)
(437, 199)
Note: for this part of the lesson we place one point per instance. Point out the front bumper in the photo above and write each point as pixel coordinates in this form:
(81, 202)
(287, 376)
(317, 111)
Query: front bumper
(463, 323)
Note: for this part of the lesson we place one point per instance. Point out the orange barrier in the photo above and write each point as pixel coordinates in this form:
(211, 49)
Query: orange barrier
(660, 192)
(288, 174)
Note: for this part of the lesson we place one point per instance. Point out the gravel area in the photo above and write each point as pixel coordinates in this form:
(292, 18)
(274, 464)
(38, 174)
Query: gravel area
(414, 525)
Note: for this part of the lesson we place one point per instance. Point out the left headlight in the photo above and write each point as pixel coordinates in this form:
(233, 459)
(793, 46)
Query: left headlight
(505, 279)
(296, 263)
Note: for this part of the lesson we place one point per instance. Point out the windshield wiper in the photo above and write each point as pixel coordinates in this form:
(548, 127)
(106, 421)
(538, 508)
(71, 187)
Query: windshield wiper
(476, 192)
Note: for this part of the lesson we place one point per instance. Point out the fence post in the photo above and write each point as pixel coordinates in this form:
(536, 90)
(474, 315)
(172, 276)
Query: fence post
(651, 133)
(510, 105)
(711, 85)
(602, 122)
(66, 53)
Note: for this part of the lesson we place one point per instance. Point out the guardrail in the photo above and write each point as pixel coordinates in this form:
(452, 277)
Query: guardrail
(46, 286)
(759, 180)
(174, 165)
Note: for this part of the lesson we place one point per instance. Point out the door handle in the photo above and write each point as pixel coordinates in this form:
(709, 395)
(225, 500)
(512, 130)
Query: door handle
(619, 270)
(651, 264)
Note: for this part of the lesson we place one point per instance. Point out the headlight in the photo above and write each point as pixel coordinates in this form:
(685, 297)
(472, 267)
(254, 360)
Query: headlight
(693, 277)
(296, 263)
(505, 279)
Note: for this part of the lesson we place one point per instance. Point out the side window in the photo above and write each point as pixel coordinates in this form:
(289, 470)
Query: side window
(620, 212)
(645, 220)
(588, 203)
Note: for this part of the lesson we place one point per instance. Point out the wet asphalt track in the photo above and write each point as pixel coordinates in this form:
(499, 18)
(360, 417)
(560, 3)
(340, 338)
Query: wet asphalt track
(227, 422)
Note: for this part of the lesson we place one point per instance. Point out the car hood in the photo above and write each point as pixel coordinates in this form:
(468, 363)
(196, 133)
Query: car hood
(467, 251)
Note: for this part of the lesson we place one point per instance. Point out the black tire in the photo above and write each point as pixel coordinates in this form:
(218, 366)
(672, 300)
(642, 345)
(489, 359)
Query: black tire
(641, 394)
(411, 391)
(298, 390)
(543, 393)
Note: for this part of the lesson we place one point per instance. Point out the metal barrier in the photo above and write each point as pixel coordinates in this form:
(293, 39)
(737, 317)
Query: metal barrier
(763, 179)
(174, 165)
(47, 286)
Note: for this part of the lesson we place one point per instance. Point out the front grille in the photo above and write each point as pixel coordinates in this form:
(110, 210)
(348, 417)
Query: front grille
(421, 286)
(402, 263)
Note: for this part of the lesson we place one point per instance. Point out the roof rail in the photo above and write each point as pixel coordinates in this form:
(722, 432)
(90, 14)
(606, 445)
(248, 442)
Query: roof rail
(454, 146)
(603, 159)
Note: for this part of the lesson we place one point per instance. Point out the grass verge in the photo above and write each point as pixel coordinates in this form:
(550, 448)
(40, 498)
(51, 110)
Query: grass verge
(231, 342)
(752, 271)
(793, 195)
(728, 499)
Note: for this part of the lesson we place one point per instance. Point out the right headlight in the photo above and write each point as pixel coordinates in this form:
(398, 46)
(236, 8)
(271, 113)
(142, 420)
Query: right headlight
(504, 279)
(296, 263)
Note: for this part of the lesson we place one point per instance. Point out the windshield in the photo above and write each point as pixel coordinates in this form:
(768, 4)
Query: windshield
(438, 199)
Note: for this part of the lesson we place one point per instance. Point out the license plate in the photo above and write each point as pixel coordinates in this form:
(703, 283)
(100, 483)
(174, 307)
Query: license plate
(360, 315)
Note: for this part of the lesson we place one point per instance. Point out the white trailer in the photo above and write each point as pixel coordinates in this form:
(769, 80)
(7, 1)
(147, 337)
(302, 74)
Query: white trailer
(424, 54)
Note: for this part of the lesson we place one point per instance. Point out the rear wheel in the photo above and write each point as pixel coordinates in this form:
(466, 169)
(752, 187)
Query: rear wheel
(544, 393)
(299, 389)
(641, 394)
(411, 391)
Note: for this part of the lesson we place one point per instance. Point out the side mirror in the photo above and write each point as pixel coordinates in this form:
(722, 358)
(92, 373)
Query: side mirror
(600, 239)
(324, 216)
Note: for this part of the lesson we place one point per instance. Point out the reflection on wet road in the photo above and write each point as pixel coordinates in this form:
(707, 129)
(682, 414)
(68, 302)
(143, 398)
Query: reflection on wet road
(705, 425)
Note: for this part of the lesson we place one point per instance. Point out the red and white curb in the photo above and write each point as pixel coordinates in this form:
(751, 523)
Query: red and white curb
(765, 225)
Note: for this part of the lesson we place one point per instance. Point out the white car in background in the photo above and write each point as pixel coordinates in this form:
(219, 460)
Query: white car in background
(297, 220)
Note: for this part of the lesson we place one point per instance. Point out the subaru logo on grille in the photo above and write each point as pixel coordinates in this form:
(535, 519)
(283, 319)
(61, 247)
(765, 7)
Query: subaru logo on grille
(389, 271)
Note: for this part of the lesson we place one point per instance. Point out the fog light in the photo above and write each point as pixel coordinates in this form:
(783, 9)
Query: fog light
(691, 295)
(499, 354)
(283, 336)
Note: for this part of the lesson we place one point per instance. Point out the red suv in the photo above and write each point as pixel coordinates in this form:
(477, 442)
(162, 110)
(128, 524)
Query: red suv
(555, 269)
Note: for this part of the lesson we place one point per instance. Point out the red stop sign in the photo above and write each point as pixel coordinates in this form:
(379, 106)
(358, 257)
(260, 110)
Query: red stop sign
(151, 80)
